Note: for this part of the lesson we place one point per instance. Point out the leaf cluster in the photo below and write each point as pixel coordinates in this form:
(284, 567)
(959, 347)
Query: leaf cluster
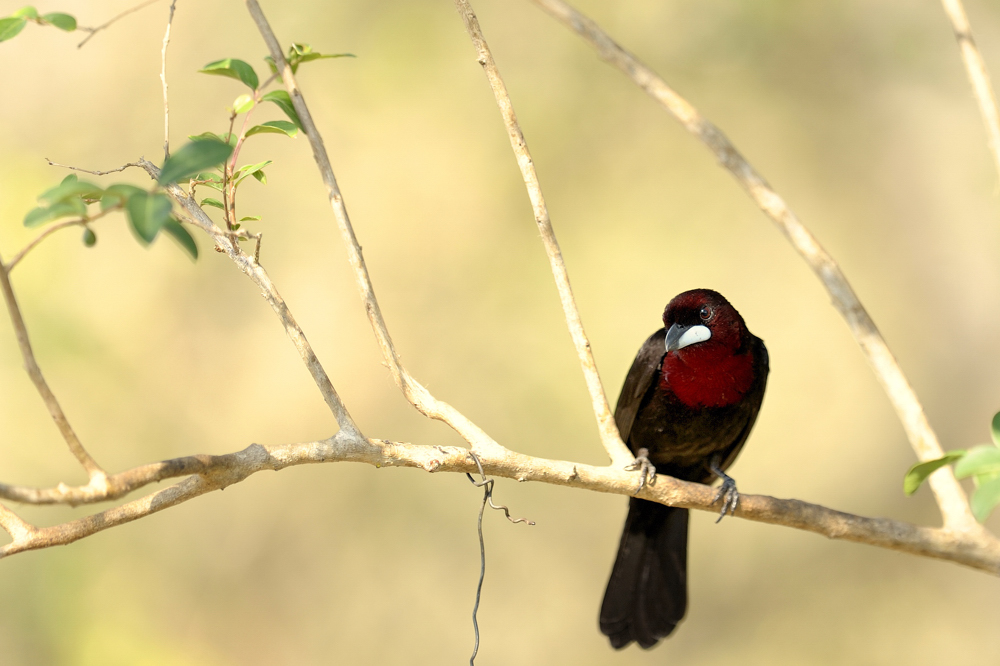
(981, 462)
(11, 25)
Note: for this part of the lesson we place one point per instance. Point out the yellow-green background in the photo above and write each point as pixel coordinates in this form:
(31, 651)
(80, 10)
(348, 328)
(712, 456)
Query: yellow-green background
(859, 113)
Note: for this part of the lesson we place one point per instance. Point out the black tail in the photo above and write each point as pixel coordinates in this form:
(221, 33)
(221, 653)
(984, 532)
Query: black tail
(647, 593)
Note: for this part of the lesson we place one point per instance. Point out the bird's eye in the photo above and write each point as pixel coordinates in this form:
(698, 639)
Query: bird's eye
(705, 313)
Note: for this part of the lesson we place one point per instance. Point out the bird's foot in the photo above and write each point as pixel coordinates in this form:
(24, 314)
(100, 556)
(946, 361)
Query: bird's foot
(728, 493)
(646, 469)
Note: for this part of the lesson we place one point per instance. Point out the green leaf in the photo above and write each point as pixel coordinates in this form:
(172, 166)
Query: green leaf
(983, 459)
(231, 139)
(252, 170)
(284, 102)
(250, 218)
(9, 27)
(89, 237)
(215, 203)
(259, 175)
(41, 215)
(243, 103)
(117, 195)
(71, 187)
(274, 127)
(985, 498)
(182, 236)
(995, 429)
(234, 69)
(192, 159)
(28, 12)
(919, 472)
(147, 213)
(61, 21)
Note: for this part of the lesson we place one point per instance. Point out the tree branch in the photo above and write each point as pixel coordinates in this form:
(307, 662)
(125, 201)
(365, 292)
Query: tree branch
(103, 26)
(978, 551)
(950, 497)
(97, 476)
(163, 81)
(975, 67)
(413, 390)
(610, 437)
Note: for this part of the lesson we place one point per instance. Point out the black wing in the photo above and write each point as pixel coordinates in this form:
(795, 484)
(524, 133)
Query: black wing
(641, 376)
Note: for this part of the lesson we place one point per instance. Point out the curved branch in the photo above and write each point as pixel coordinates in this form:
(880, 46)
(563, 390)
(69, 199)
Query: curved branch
(979, 551)
(950, 497)
(413, 390)
(608, 429)
(975, 67)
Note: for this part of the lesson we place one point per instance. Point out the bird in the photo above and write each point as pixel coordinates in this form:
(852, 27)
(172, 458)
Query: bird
(686, 408)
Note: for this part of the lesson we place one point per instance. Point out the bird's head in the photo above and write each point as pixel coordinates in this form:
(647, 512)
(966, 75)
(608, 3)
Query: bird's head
(704, 318)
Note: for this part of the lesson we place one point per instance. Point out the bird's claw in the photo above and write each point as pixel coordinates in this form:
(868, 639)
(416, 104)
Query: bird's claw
(729, 495)
(647, 472)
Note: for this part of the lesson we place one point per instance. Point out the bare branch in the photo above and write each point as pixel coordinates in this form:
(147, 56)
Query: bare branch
(97, 475)
(259, 276)
(950, 497)
(94, 31)
(975, 67)
(95, 173)
(613, 444)
(163, 80)
(19, 530)
(977, 550)
(79, 222)
(413, 390)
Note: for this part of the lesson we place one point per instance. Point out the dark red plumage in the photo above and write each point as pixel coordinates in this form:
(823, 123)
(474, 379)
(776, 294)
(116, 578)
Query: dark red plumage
(690, 399)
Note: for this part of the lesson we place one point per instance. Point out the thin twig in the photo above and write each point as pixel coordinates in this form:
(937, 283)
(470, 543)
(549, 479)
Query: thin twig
(259, 276)
(610, 438)
(950, 497)
(163, 80)
(14, 526)
(975, 67)
(81, 221)
(97, 475)
(976, 550)
(413, 390)
(95, 173)
(94, 31)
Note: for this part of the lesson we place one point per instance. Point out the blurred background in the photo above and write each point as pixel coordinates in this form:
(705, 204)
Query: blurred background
(859, 113)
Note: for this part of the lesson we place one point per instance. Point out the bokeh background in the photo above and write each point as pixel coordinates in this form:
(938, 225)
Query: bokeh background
(858, 112)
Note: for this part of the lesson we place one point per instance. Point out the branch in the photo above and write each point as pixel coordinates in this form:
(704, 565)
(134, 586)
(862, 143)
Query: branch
(97, 475)
(975, 67)
(610, 437)
(79, 222)
(259, 276)
(163, 80)
(413, 390)
(94, 31)
(979, 551)
(950, 497)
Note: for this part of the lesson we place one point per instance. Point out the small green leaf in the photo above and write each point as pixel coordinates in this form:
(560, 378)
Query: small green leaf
(117, 195)
(995, 429)
(251, 170)
(182, 236)
(984, 498)
(284, 102)
(231, 139)
(192, 159)
(69, 188)
(61, 21)
(89, 237)
(147, 214)
(28, 12)
(983, 459)
(9, 27)
(236, 227)
(234, 69)
(274, 127)
(260, 176)
(249, 218)
(41, 215)
(243, 103)
(919, 472)
(215, 203)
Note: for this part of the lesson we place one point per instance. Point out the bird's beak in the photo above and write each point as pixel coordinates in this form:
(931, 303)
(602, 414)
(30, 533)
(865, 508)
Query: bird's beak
(680, 336)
